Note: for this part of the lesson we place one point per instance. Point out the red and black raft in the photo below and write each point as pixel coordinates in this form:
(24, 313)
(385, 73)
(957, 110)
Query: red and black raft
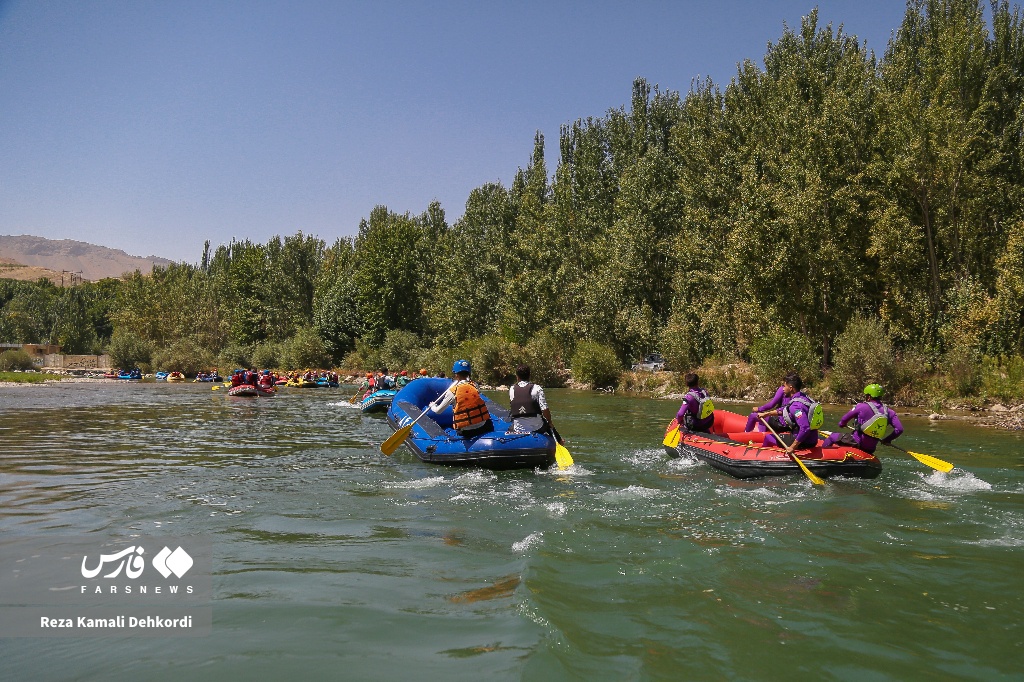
(250, 391)
(742, 454)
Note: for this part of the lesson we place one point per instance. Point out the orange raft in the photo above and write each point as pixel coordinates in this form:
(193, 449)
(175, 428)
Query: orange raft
(741, 454)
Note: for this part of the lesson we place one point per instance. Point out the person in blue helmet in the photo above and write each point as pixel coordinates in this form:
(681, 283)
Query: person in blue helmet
(470, 416)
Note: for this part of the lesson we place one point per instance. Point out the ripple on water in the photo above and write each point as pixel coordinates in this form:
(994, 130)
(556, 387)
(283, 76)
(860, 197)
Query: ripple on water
(574, 470)
(632, 492)
(528, 542)
(646, 458)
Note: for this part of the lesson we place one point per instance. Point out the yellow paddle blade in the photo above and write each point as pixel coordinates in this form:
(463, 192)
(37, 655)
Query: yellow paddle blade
(215, 388)
(396, 439)
(672, 438)
(933, 462)
(814, 479)
(562, 456)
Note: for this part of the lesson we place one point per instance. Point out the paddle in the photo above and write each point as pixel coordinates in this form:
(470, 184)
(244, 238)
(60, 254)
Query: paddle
(562, 456)
(933, 462)
(356, 395)
(672, 438)
(814, 479)
(399, 436)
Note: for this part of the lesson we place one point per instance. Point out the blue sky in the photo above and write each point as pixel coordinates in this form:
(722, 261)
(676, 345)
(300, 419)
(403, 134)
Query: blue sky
(154, 126)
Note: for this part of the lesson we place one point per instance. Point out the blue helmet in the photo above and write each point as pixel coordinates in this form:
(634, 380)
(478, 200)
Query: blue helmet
(460, 366)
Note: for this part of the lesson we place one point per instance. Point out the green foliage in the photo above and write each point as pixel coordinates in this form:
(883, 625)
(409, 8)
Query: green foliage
(1003, 377)
(267, 355)
(401, 349)
(184, 355)
(778, 351)
(863, 355)
(15, 359)
(678, 344)
(729, 380)
(596, 364)
(29, 377)
(820, 189)
(546, 357)
(127, 350)
(234, 356)
(961, 366)
(305, 350)
(493, 359)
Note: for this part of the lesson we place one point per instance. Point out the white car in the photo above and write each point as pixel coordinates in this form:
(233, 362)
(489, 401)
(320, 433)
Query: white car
(651, 363)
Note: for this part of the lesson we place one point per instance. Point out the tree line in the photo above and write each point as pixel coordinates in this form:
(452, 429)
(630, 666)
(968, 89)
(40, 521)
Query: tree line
(824, 186)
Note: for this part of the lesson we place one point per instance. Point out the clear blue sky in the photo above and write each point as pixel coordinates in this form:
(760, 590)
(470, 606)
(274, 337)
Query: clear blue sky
(153, 126)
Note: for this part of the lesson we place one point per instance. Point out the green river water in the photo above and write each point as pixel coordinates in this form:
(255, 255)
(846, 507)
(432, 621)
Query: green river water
(334, 562)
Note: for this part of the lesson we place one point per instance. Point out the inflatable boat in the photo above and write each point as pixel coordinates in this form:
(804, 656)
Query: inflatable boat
(434, 440)
(249, 391)
(742, 454)
(378, 401)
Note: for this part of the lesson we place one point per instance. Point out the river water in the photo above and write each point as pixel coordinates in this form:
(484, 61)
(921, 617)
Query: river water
(332, 561)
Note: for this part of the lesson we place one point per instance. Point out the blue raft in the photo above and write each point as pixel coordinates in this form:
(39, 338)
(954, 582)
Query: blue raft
(378, 401)
(434, 440)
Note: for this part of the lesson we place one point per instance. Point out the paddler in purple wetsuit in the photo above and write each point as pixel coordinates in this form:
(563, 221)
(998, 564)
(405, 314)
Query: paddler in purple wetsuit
(774, 406)
(694, 402)
(872, 420)
(795, 418)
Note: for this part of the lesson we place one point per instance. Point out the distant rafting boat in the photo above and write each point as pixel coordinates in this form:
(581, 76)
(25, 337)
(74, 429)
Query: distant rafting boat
(175, 376)
(433, 439)
(250, 391)
(378, 401)
(743, 455)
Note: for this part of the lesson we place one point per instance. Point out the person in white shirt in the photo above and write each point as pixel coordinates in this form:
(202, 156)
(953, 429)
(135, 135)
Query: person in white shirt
(529, 409)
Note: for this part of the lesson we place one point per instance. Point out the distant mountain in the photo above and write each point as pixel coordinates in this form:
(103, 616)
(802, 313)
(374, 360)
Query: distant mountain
(88, 261)
(11, 269)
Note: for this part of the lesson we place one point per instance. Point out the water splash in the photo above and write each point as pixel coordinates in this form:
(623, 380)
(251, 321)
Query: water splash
(958, 481)
(528, 542)
(574, 470)
(556, 508)
(633, 492)
(683, 463)
(645, 458)
(417, 484)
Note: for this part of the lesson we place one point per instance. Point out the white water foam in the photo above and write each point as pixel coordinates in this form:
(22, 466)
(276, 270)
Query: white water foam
(957, 481)
(527, 542)
(556, 508)
(574, 470)
(633, 492)
(683, 463)
(646, 458)
(345, 404)
(473, 478)
(418, 483)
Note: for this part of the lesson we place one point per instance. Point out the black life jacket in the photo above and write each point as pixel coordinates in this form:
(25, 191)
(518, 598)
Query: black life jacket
(523, 403)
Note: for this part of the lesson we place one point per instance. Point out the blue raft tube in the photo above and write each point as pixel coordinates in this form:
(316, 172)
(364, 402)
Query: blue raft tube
(434, 440)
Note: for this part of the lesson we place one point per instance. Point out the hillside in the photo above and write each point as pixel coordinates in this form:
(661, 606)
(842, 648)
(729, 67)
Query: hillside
(91, 261)
(11, 269)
